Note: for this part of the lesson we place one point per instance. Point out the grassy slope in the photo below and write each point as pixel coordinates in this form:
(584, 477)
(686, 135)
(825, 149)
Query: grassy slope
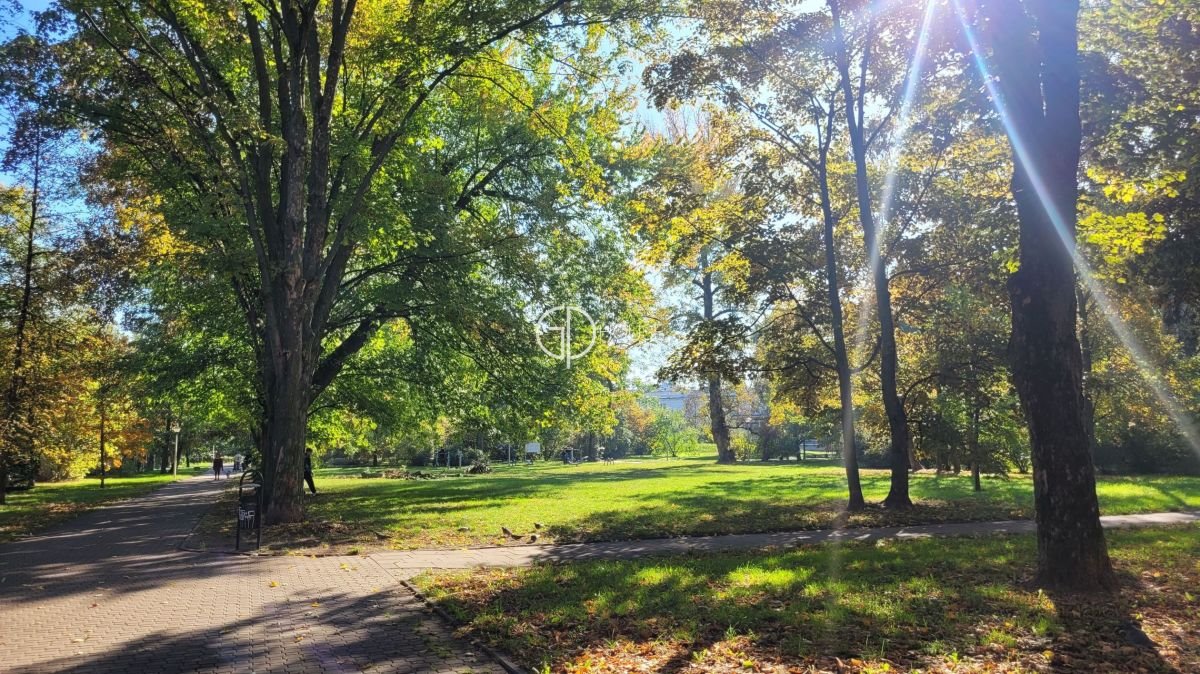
(939, 605)
(49, 503)
(640, 499)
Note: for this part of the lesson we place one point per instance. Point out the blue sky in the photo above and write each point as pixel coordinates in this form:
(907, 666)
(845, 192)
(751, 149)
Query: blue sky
(25, 19)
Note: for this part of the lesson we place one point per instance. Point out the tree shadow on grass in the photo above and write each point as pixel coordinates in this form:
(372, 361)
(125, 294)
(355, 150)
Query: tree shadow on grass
(723, 508)
(1179, 492)
(653, 505)
(415, 494)
(1106, 624)
(911, 603)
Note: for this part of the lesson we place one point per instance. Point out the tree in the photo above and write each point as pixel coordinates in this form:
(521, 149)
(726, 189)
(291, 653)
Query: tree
(1137, 228)
(854, 119)
(313, 149)
(773, 76)
(1035, 51)
(1141, 121)
(35, 263)
(780, 70)
(691, 212)
(670, 433)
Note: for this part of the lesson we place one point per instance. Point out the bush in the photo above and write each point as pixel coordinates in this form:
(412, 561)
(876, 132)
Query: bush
(54, 466)
(1145, 451)
(742, 445)
(880, 457)
(422, 458)
(875, 458)
(439, 457)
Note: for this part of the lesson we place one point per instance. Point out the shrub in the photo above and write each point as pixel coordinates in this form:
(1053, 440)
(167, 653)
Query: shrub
(1141, 451)
(55, 465)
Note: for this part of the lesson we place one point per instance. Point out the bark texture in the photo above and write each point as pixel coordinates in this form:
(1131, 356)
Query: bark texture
(1040, 97)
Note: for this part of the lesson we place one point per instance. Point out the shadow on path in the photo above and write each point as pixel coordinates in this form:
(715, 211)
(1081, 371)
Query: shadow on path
(111, 592)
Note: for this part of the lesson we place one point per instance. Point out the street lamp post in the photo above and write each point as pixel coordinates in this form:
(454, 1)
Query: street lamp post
(175, 428)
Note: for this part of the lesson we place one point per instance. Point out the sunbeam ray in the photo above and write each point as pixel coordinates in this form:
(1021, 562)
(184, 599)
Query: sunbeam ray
(1145, 367)
(866, 306)
(903, 124)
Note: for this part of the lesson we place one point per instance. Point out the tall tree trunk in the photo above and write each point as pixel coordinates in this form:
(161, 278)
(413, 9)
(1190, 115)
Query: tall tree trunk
(103, 438)
(13, 438)
(285, 429)
(892, 404)
(914, 447)
(716, 415)
(716, 406)
(840, 354)
(164, 454)
(973, 447)
(1041, 104)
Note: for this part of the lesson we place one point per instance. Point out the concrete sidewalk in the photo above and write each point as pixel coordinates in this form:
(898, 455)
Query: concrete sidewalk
(408, 563)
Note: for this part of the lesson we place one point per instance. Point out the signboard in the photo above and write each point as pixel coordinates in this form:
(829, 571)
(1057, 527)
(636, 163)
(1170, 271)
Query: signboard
(533, 448)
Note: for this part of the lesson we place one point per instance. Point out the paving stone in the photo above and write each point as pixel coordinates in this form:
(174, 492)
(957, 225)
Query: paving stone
(111, 593)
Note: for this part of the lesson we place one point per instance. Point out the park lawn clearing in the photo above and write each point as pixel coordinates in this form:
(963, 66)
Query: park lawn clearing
(638, 499)
(931, 605)
(48, 503)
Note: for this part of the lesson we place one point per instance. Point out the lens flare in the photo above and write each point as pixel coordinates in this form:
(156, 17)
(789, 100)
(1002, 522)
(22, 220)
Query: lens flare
(1187, 428)
(866, 306)
(903, 125)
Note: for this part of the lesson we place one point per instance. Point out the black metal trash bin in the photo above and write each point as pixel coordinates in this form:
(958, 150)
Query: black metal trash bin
(250, 507)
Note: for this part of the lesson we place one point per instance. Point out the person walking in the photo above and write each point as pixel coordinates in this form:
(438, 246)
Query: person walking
(308, 476)
(218, 464)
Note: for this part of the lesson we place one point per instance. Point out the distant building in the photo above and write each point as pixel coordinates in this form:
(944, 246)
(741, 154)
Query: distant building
(668, 397)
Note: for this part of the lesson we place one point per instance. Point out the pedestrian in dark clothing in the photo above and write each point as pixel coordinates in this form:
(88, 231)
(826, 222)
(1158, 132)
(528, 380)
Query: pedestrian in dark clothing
(308, 477)
(218, 464)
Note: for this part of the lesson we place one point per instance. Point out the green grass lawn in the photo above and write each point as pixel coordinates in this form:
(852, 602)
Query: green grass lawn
(49, 503)
(652, 498)
(949, 605)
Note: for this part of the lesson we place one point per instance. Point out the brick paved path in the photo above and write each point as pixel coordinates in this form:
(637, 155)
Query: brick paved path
(408, 563)
(110, 592)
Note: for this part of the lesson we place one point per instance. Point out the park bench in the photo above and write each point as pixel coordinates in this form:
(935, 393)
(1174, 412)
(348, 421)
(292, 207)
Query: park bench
(249, 507)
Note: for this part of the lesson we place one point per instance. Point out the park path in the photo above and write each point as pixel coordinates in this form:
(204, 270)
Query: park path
(111, 592)
(411, 562)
